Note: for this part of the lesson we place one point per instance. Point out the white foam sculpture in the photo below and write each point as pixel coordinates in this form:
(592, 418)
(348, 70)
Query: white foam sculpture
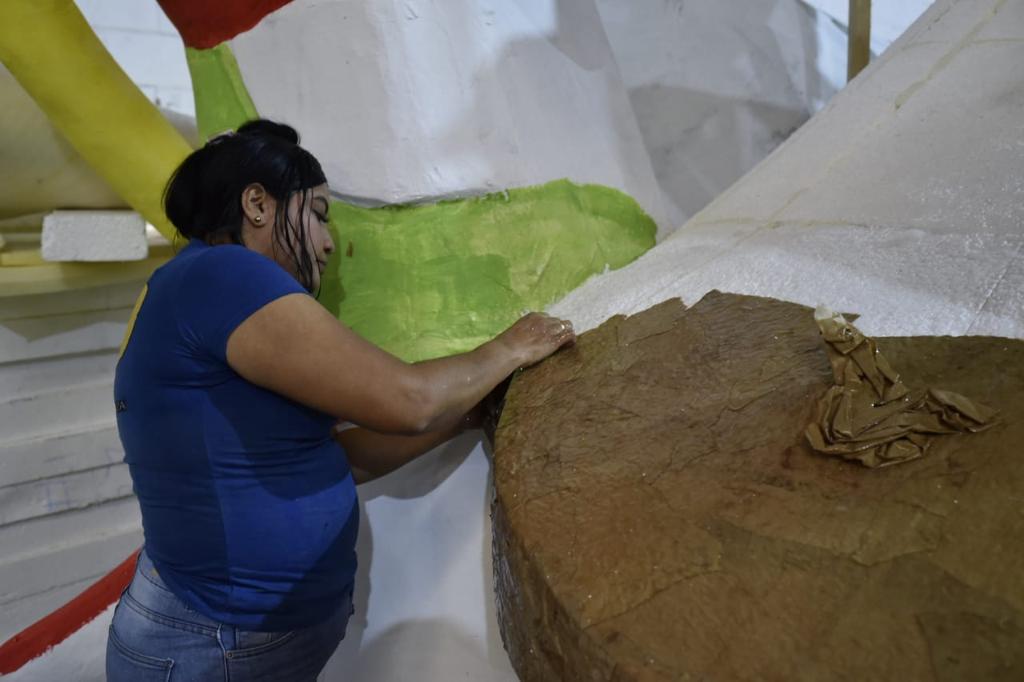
(900, 201)
(716, 86)
(421, 100)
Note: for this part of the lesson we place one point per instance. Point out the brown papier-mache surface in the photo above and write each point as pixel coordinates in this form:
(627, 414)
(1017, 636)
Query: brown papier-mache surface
(660, 515)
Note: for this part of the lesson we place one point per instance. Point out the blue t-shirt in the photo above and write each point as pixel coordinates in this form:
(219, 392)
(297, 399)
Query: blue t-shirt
(248, 505)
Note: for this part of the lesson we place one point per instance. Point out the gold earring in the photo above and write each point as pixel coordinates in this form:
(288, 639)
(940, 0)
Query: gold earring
(258, 219)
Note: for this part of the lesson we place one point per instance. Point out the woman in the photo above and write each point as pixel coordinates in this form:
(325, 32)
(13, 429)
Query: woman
(230, 382)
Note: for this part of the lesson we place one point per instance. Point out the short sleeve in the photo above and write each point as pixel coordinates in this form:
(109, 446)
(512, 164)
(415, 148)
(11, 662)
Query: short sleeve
(221, 288)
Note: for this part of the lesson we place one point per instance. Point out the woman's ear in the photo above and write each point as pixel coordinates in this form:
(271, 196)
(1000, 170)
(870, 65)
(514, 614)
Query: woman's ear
(256, 205)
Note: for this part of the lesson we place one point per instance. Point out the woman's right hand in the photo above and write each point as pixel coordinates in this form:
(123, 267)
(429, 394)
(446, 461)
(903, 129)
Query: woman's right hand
(535, 336)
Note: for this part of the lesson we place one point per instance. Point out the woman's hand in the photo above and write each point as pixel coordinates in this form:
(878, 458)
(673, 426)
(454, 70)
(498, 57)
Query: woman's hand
(535, 336)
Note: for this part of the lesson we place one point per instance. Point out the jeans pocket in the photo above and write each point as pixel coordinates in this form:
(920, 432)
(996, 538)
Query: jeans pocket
(296, 656)
(127, 665)
(248, 642)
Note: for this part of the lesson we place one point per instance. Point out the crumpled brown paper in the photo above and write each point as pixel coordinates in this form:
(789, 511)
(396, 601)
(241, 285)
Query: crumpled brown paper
(870, 415)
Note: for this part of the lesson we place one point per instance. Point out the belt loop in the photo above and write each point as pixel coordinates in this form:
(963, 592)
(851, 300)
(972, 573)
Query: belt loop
(135, 573)
(225, 635)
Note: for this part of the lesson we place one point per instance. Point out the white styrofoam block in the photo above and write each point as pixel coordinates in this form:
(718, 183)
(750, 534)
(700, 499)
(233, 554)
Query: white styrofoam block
(450, 99)
(901, 281)
(962, 176)
(94, 236)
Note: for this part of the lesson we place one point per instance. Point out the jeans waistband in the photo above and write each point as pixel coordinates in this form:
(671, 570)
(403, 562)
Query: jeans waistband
(150, 593)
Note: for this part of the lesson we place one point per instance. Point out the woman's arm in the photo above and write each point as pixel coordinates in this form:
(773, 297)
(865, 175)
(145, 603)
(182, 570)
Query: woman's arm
(372, 454)
(294, 347)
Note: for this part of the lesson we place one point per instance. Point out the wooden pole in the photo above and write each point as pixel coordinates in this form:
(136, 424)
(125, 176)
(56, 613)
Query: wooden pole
(859, 46)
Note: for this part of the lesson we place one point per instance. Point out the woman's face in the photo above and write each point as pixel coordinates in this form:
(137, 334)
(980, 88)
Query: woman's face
(314, 220)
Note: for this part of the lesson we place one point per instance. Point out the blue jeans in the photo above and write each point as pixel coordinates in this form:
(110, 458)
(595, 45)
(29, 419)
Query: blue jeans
(156, 636)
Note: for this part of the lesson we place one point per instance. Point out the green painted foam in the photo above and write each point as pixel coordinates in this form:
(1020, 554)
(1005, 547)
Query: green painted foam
(424, 281)
(222, 100)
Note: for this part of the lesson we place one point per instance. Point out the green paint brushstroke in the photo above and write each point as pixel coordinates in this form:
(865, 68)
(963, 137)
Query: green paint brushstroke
(222, 100)
(424, 281)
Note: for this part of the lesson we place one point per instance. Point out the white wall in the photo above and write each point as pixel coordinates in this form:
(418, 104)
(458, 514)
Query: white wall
(889, 18)
(147, 46)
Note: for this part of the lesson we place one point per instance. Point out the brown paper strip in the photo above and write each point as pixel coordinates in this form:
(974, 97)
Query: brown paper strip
(869, 415)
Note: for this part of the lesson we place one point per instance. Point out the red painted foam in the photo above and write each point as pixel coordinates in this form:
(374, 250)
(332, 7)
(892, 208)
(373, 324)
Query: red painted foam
(204, 24)
(53, 629)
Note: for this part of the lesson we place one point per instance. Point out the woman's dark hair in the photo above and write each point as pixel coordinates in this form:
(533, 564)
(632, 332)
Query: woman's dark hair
(203, 198)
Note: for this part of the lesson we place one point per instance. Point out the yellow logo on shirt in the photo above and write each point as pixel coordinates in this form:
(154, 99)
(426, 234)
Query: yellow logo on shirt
(131, 320)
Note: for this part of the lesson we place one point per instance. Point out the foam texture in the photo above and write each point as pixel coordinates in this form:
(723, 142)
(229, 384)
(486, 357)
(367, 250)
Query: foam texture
(94, 236)
(901, 201)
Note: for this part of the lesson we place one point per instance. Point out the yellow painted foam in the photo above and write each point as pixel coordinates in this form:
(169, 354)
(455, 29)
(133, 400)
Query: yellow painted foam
(54, 54)
(131, 320)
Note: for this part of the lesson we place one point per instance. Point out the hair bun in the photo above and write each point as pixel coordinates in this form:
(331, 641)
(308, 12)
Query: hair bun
(262, 127)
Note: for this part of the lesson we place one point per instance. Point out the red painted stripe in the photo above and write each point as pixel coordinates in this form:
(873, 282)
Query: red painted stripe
(204, 24)
(59, 625)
